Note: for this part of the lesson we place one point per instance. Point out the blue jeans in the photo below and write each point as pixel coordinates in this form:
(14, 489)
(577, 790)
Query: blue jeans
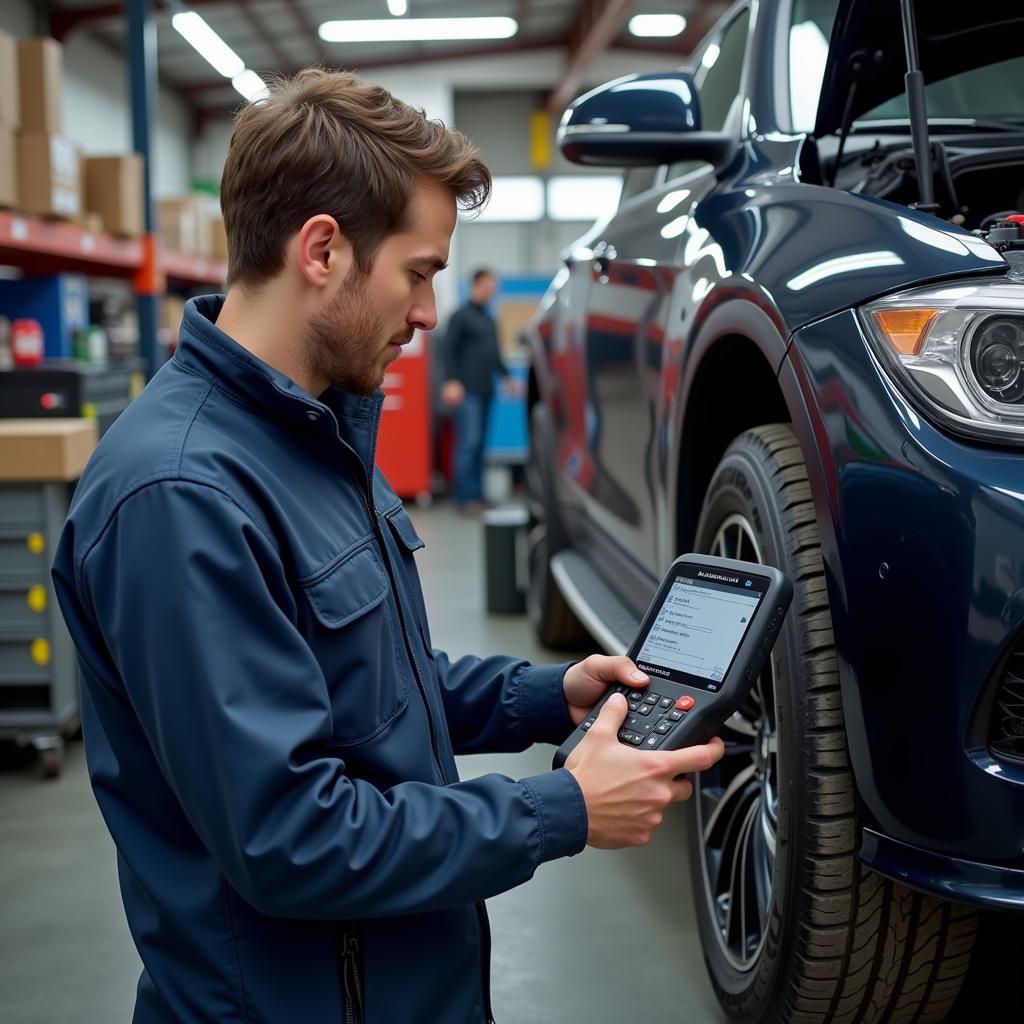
(470, 434)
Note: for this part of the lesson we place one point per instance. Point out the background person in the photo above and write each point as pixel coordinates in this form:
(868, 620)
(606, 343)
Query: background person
(473, 360)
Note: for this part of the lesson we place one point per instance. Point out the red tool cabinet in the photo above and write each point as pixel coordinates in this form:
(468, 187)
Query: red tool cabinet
(404, 446)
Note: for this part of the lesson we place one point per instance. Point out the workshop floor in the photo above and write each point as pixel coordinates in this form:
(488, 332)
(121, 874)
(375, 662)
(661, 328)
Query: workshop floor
(602, 937)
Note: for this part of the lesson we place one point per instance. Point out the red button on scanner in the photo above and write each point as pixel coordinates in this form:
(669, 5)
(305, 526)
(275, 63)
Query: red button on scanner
(685, 703)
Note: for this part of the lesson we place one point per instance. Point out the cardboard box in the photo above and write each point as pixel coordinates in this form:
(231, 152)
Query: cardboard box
(113, 189)
(220, 239)
(179, 224)
(48, 175)
(8, 167)
(10, 93)
(91, 222)
(514, 316)
(172, 309)
(45, 449)
(207, 211)
(40, 80)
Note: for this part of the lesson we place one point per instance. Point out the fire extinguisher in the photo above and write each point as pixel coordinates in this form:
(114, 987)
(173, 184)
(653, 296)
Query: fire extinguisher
(26, 342)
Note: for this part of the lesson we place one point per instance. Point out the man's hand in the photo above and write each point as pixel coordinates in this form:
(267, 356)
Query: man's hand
(626, 790)
(584, 684)
(452, 393)
(512, 387)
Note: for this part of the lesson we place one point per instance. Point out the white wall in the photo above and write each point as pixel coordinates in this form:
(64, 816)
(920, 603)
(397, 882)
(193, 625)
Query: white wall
(96, 108)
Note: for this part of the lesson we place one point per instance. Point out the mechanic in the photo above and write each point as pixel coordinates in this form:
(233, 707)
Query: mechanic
(269, 735)
(473, 360)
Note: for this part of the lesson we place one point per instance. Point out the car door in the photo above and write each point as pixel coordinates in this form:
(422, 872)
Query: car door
(632, 276)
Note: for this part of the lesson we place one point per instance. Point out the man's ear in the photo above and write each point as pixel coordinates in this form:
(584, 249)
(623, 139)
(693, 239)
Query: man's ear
(324, 254)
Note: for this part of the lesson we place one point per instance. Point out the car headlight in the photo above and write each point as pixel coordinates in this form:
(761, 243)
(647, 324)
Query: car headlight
(959, 349)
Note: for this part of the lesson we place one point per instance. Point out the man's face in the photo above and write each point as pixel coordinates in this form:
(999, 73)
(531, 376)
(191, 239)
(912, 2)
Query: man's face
(360, 333)
(484, 289)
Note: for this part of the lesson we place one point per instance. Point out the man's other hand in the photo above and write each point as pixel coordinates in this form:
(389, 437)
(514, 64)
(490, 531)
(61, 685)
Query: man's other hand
(627, 790)
(585, 683)
(452, 393)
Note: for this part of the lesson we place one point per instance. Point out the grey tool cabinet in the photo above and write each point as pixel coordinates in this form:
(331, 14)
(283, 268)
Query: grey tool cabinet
(38, 668)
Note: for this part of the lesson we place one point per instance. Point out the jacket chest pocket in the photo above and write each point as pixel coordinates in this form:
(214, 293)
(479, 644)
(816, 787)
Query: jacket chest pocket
(356, 641)
(409, 542)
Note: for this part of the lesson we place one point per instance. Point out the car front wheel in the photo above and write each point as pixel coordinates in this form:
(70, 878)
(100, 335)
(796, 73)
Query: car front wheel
(794, 928)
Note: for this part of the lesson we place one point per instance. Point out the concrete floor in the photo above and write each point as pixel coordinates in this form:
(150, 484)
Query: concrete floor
(65, 951)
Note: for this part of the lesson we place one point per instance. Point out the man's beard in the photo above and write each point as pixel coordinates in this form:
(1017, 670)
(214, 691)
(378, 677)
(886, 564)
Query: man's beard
(346, 343)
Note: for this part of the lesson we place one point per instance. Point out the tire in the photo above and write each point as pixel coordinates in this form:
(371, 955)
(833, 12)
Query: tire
(993, 989)
(554, 623)
(818, 937)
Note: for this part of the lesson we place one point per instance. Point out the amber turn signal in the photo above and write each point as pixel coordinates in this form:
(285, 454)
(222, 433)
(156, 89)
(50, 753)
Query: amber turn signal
(905, 328)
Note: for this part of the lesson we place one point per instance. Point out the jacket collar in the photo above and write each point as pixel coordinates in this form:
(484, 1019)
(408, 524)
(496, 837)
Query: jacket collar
(204, 349)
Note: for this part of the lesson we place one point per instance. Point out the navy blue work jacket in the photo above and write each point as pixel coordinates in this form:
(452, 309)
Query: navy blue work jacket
(269, 734)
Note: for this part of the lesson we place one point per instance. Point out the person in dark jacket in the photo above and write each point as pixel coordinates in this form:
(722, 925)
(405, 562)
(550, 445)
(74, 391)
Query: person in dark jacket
(270, 734)
(473, 361)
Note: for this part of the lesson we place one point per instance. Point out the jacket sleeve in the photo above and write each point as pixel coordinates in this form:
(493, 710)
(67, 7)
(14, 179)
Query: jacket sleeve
(192, 600)
(454, 341)
(498, 704)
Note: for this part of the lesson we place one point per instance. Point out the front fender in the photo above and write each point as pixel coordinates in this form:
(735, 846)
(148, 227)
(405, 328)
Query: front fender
(813, 251)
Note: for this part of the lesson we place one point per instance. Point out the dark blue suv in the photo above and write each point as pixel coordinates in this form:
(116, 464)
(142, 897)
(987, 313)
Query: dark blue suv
(800, 341)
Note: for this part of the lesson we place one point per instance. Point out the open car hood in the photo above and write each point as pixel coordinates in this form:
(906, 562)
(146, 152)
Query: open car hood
(867, 47)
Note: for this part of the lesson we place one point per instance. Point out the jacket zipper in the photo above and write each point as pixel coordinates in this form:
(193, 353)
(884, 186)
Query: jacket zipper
(351, 979)
(481, 910)
(485, 960)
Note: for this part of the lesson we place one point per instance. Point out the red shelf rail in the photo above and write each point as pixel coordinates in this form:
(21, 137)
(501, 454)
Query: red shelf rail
(40, 246)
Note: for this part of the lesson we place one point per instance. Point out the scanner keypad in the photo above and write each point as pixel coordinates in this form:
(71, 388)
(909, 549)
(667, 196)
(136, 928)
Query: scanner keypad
(652, 717)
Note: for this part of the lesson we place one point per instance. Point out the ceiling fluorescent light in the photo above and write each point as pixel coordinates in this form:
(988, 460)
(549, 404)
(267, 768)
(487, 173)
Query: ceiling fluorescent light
(513, 198)
(583, 197)
(650, 25)
(251, 86)
(208, 44)
(417, 30)
(398, 7)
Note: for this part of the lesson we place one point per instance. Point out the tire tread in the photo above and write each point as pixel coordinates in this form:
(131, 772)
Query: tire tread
(867, 950)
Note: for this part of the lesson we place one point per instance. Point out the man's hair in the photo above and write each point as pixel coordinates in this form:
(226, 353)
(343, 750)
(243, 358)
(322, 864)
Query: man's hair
(481, 273)
(327, 142)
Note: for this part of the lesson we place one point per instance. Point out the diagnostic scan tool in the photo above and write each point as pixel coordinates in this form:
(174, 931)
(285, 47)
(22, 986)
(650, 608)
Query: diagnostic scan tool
(702, 643)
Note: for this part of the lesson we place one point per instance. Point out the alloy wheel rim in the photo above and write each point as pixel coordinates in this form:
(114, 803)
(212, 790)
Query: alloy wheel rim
(737, 801)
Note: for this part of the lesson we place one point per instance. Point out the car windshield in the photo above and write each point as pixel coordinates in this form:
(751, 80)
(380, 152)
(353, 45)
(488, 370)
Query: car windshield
(993, 92)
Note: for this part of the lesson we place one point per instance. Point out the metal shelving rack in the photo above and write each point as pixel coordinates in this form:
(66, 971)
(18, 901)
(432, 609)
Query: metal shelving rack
(40, 246)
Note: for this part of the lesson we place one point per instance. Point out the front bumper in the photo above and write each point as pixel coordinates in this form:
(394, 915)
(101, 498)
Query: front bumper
(923, 539)
(984, 885)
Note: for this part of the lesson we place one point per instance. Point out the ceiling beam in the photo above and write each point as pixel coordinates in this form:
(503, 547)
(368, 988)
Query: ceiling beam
(307, 29)
(596, 25)
(65, 19)
(278, 54)
(697, 27)
(433, 57)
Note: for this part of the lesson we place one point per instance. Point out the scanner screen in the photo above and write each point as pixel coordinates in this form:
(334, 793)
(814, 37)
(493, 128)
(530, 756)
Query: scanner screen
(701, 622)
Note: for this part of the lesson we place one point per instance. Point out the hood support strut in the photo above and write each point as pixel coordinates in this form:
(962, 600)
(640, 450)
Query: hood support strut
(918, 111)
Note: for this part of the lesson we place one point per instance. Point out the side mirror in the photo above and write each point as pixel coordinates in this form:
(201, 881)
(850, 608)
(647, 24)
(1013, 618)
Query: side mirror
(641, 121)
